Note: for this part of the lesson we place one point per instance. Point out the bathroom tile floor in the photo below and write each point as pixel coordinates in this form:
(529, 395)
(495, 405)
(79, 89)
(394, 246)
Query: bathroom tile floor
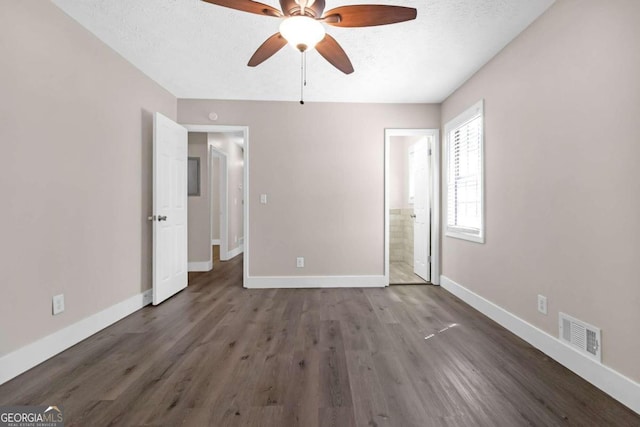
(401, 273)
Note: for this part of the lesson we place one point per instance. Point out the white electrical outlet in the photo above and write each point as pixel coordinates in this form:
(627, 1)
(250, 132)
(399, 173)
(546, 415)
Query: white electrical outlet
(58, 304)
(300, 262)
(542, 304)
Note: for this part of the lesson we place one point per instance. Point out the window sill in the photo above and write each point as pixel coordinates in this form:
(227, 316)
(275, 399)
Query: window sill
(465, 236)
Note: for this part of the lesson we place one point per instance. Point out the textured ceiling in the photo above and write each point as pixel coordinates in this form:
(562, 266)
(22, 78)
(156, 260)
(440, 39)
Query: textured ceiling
(198, 50)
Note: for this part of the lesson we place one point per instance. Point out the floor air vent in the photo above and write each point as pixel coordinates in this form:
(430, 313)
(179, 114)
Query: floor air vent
(581, 336)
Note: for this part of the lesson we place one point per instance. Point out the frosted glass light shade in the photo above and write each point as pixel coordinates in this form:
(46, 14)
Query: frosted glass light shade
(302, 32)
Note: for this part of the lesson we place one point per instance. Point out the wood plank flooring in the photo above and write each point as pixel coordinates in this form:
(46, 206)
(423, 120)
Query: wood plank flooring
(220, 355)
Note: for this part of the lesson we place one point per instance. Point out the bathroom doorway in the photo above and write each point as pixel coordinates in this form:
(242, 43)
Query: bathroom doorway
(409, 203)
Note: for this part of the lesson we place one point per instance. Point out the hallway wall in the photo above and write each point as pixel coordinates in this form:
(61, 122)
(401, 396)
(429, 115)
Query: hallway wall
(322, 167)
(199, 209)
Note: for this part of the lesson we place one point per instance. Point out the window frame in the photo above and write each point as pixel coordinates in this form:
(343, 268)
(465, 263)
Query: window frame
(469, 114)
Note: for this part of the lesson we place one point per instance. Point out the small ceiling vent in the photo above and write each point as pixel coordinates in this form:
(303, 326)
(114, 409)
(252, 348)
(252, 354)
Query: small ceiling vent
(581, 336)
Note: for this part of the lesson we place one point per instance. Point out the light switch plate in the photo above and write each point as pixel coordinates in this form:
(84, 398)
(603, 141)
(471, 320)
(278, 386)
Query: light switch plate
(263, 199)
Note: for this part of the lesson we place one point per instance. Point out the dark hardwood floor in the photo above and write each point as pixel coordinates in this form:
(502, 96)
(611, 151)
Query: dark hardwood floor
(217, 354)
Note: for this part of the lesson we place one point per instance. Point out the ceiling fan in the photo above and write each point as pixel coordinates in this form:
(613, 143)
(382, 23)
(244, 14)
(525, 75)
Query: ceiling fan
(302, 26)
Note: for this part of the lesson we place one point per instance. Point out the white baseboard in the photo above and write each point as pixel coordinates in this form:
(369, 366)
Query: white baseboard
(233, 253)
(621, 388)
(31, 355)
(215, 242)
(270, 282)
(200, 266)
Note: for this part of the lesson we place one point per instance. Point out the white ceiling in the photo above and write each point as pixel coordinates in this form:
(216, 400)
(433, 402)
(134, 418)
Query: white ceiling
(198, 50)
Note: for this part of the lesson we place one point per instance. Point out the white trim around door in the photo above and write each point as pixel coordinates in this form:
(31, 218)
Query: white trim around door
(434, 200)
(245, 187)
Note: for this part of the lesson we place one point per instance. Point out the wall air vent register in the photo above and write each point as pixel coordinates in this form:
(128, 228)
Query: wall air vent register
(581, 336)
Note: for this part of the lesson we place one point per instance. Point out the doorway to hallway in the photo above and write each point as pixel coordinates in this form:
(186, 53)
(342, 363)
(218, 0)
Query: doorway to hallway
(218, 213)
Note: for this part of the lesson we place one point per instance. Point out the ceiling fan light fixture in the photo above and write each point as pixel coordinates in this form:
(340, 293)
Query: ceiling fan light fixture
(302, 32)
(307, 3)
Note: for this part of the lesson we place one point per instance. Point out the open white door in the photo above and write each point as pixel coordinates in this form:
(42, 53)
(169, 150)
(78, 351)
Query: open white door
(421, 211)
(169, 208)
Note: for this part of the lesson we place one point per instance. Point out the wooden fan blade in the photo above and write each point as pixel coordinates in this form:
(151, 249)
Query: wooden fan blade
(267, 49)
(247, 6)
(333, 52)
(368, 15)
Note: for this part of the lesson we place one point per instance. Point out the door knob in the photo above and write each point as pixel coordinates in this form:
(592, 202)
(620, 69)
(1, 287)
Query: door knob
(412, 215)
(162, 217)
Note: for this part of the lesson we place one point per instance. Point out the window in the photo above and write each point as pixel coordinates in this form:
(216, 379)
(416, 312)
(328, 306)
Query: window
(465, 175)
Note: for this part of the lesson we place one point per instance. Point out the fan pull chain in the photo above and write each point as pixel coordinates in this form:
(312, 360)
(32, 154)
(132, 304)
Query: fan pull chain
(303, 75)
(304, 55)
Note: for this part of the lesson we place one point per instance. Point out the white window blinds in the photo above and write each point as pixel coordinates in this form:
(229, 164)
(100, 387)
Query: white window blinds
(465, 175)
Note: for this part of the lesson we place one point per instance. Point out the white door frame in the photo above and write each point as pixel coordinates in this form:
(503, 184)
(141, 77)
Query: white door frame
(245, 185)
(434, 201)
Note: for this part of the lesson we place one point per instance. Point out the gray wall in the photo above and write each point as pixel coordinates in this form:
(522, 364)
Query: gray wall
(399, 171)
(322, 166)
(75, 172)
(562, 104)
(199, 224)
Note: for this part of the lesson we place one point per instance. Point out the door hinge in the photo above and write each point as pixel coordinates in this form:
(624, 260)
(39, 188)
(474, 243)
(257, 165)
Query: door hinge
(429, 258)
(429, 152)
